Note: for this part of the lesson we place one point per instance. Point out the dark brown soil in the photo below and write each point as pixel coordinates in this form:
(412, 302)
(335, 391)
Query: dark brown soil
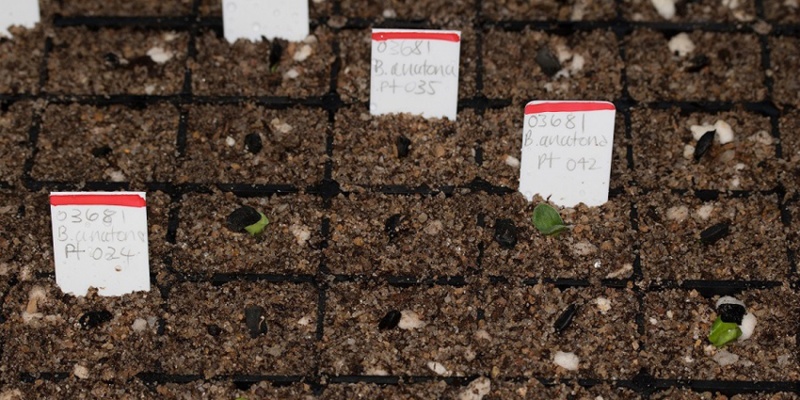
(21, 60)
(15, 123)
(786, 53)
(693, 11)
(572, 10)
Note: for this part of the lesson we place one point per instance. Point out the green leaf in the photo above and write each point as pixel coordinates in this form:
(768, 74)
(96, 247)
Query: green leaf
(259, 226)
(723, 332)
(547, 220)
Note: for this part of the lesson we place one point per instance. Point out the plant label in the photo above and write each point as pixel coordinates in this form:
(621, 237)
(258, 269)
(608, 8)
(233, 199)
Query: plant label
(18, 12)
(254, 19)
(566, 151)
(415, 71)
(100, 241)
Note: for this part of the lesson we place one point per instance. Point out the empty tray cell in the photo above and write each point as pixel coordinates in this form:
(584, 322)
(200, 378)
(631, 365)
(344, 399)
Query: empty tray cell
(265, 68)
(70, 386)
(435, 11)
(685, 393)
(250, 144)
(26, 221)
(584, 65)
(677, 324)
(729, 238)
(288, 245)
(116, 61)
(789, 127)
(784, 59)
(599, 244)
(526, 327)
(362, 390)
(571, 10)
(107, 144)
(402, 235)
(433, 336)
(668, 153)
(722, 67)
(501, 142)
(402, 149)
(704, 11)
(15, 122)
(355, 48)
(787, 12)
(136, 8)
(316, 9)
(215, 389)
(792, 205)
(208, 333)
(113, 337)
(532, 388)
(158, 208)
(22, 56)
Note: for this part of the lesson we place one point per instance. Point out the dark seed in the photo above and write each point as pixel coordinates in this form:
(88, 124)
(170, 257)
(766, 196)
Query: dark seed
(403, 146)
(547, 61)
(93, 319)
(731, 313)
(256, 320)
(101, 151)
(703, 144)
(241, 218)
(213, 330)
(275, 53)
(481, 220)
(505, 233)
(478, 155)
(391, 225)
(112, 59)
(252, 143)
(697, 63)
(563, 320)
(713, 234)
(390, 320)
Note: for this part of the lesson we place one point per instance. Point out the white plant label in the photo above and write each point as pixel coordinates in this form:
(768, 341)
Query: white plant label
(252, 19)
(18, 12)
(100, 241)
(415, 71)
(566, 151)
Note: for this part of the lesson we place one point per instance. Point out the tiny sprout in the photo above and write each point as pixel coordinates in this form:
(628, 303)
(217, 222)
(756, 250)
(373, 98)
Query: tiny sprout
(723, 332)
(247, 219)
(547, 221)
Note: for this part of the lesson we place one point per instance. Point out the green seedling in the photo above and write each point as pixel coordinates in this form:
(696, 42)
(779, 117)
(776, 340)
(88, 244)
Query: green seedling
(547, 221)
(723, 332)
(247, 219)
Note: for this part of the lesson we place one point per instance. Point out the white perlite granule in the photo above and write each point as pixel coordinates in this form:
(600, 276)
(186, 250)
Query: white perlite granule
(725, 358)
(748, 325)
(681, 44)
(410, 320)
(724, 132)
(568, 361)
(476, 389)
(438, 368)
(665, 8)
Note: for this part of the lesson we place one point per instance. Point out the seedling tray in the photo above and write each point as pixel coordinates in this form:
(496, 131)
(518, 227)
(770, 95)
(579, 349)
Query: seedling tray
(378, 215)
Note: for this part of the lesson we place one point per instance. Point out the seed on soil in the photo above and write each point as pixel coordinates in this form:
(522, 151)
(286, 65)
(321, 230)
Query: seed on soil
(111, 59)
(243, 217)
(252, 143)
(703, 145)
(101, 151)
(213, 330)
(565, 319)
(547, 61)
(730, 312)
(403, 146)
(714, 233)
(390, 320)
(391, 226)
(505, 233)
(93, 319)
(275, 52)
(256, 320)
(697, 63)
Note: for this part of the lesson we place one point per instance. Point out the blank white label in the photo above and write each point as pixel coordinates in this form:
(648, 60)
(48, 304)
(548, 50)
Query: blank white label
(18, 12)
(252, 19)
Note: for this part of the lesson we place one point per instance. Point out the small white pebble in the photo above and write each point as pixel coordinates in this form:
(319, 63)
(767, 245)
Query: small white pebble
(301, 234)
(149, 89)
(699, 130)
(159, 55)
(389, 13)
(512, 162)
(603, 304)
(688, 151)
(678, 213)
(725, 358)
(583, 248)
(303, 53)
(670, 314)
(80, 371)
(304, 321)
(763, 137)
(681, 44)
(732, 4)
(748, 325)
(482, 334)
(230, 141)
(116, 176)
(291, 74)
(739, 166)
(627, 267)
(665, 8)
(577, 63)
(311, 39)
(170, 36)
(705, 211)
(139, 325)
(568, 361)
(724, 131)
(476, 389)
(653, 321)
(281, 126)
(438, 368)
(434, 228)
(688, 359)
(376, 371)
(410, 320)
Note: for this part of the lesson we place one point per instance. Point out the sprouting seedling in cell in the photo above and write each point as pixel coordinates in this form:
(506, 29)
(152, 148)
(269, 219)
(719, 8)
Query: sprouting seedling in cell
(247, 219)
(733, 322)
(547, 220)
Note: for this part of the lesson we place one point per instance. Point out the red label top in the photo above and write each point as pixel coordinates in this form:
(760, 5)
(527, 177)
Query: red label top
(568, 106)
(445, 36)
(124, 200)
